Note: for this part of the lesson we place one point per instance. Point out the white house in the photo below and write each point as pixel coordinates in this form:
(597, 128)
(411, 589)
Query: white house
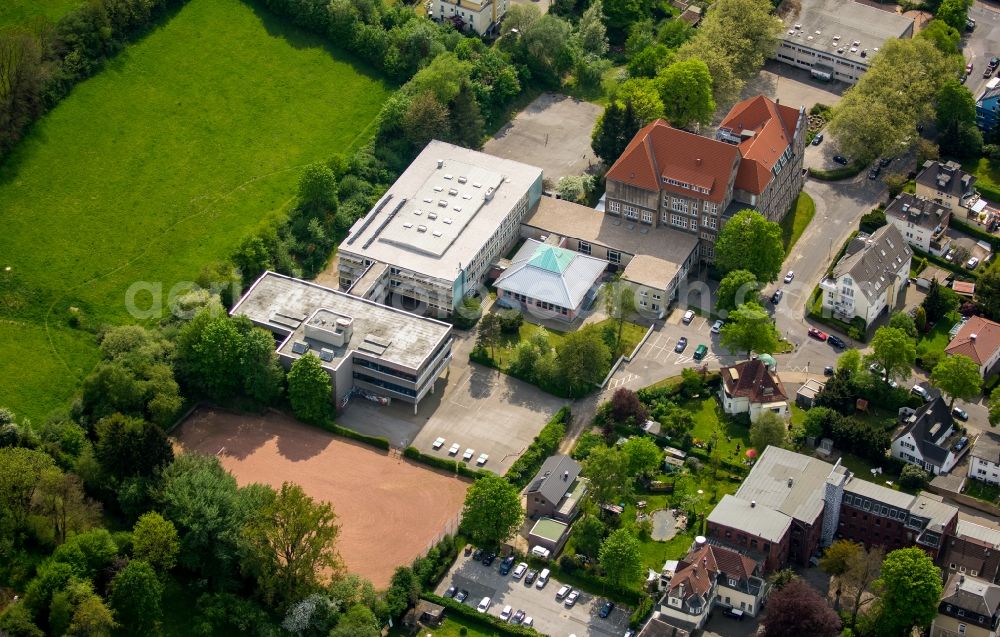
(482, 17)
(922, 222)
(751, 387)
(979, 339)
(927, 438)
(869, 277)
(984, 463)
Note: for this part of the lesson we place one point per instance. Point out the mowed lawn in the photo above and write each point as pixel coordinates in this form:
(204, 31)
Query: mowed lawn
(14, 12)
(156, 167)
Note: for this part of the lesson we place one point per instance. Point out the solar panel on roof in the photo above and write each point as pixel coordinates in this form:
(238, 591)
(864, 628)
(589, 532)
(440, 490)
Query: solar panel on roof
(535, 485)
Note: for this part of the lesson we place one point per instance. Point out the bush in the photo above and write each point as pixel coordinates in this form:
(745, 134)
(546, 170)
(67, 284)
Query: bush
(544, 445)
(872, 221)
(446, 464)
(641, 611)
(490, 623)
(913, 477)
(837, 174)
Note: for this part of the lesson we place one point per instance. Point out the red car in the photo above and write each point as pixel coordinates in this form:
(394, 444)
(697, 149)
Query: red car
(817, 334)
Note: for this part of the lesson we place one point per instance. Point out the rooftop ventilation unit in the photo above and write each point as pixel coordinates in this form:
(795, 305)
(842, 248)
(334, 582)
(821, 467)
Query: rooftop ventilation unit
(436, 233)
(300, 347)
(462, 180)
(477, 185)
(428, 200)
(452, 192)
(440, 163)
(489, 194)
(417, 212)
(407, 225)
(447, 220)
(326, 355)
(442, 203)
(438, 188)
(432, 215)
(457, 208)
(421, 228)
(447, 176)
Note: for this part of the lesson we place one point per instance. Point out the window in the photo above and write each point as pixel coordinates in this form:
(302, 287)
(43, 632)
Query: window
(732, 582)
(631, 212)
(584, 247)
(709, 221)
(614, 257)
(647, 216)
(614, 206)
(678, 205)
(708, 206)
(678, 221)
(961, 629)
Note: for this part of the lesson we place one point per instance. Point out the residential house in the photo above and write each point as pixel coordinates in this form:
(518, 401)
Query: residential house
(673, 178)
(556, 490)
(711, 576)
(984, 458)
(927, 438)
(752, 387)
(869, 277)
(805, 396)
(988, 106)
(656, 626)
(970, 607)
(979, 339)
(947, 184)
(481, 16)
(549, 281)
(922, 222)
(973, 550)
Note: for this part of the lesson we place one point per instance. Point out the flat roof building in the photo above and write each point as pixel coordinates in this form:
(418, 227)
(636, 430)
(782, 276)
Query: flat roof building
(837, 39)
(361, 344)
(432, 237)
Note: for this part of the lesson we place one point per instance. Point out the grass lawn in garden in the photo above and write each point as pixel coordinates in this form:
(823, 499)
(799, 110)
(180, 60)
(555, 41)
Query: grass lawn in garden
(25, 11)
(631, 335)
(597, 94)
(796, 221)
(709, 420)
(937, 339)
(157, 166)
(982, 491)
(987, 174)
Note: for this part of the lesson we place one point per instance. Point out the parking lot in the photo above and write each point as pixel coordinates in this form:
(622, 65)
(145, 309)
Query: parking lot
(551, 617)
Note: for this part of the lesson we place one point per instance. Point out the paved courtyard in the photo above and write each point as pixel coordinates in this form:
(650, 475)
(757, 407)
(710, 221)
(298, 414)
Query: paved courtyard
(553, 133)
(793, 86)
(551, 617)
(474, 406)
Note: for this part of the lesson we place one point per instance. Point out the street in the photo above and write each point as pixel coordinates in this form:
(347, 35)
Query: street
(982, 43)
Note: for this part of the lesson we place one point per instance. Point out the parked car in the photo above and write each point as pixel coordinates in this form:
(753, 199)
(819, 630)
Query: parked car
(477, 555)
(776, 297)
(571, 599)
(606, 609)
(543, 579)
(484, 604)
(789, 276)
(874, 172)
(450, 592)
(818, 139)
(529, 621)
(840, 159)
(828, 370)
(518, 617)
(960, 413)
(520, 570)
(885, 161)
(529, 579)
(506, 613)
(921, 391)
(688, 317)
(989, 71)
(875, 368)
(700, 351)
(970, 24)
(461, 596)
(717, 326)
(541, 552)
(818, 334)
(506, 565)
(972, 263)
(968, 67)
(563, 591)
(682, 344)
(962, 442)
(950, 255)
(836, 341)
(489, 558)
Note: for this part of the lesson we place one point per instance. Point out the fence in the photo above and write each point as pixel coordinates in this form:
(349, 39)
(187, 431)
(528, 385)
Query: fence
(450, 528)
(627, 359)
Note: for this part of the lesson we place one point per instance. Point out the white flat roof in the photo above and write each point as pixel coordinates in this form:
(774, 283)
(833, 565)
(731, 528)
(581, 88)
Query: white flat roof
(820, 22)
(441, 211)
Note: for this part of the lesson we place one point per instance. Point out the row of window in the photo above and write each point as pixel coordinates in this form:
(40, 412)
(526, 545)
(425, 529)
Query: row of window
(385, 370)
(875, 507)
(378, 382)
(685, 185)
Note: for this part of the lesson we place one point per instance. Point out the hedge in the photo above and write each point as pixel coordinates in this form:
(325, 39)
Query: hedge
(836, 174)
(544, 445)
(483, 620)
(583, 580)
(447, 464)
(976, 232)
(954, 268)
(375, 441)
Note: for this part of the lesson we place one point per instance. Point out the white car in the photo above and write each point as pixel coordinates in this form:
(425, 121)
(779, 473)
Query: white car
(921, 391)
(468, 455)
(688, 317)
(789, 276)
(484, 605)
(438, 443)
(453, 449)
(506, 613)
(563, 591)
(972, 263)
(520, 570)
(571, 599)
(483, 457)
(528, 621)
(717, 326)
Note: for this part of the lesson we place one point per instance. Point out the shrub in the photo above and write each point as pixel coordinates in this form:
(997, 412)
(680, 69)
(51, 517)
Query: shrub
(544, 445)
(913, 477)
(446, 464)
(641, 611)
(872, 221)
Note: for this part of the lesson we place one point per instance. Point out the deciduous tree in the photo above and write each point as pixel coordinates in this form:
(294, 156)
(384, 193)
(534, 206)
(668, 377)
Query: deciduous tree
(909, 591)
(643, 95)
(956, 120)
(492, 511)
(607, 470)
(614, 129)
(591, 35)
(60, 499)
(358, 621)
(958, 377)
(129, 447)
(944, 37)
(894, 350)
(619, 303)
(750, 329)
(768, 430)
(642, 456)
(588, 533)
(154, 540)
(735, 289)
(135, 597)
(620, 558)
(797, 609)
(954, 13)
(902, 320)
(625, 405)
(583, 359)
(849, 362)
(750, 242)
(686, 92)
(310, 389)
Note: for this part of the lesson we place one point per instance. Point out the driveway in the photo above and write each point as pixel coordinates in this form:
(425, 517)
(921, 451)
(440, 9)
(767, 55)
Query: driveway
(474, 406)
(551, 616)
(793, 86)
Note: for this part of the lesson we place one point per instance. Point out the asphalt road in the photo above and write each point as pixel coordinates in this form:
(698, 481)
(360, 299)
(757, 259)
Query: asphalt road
(983, 43)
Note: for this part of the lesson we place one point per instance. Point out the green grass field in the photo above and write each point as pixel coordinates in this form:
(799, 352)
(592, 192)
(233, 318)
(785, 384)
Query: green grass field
(796, 221)
(23, 11)
(157, 166)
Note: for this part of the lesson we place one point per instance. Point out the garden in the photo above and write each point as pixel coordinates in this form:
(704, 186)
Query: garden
(165, 161)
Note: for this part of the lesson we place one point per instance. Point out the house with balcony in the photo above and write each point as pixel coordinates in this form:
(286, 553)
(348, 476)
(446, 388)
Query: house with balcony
(556, 490)
(922, 222)
(984, 458)
(979, 339)
(948, 185)
(927, 438)
(970, 607)
(751, 387)
(870, 277)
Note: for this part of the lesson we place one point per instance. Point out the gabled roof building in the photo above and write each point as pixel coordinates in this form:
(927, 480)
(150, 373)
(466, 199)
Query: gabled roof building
(752, 387)
(984, 458)
(979, 339)
(927, 438)
(556, 490)
(550, 281)
(969, 607)
(922, 222)
(947, 184)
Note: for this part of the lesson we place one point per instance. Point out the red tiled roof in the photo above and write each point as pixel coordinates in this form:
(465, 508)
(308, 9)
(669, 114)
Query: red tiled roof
(773, 126)
(965, 288)
(659, 151)
(980, 349)
(698, 570)
(752, 379)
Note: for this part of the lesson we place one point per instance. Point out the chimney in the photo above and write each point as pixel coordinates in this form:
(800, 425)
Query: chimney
(566, 476)
(972, 337)
(440, 163)
(697, 161)
(790, 482)
(753, 503)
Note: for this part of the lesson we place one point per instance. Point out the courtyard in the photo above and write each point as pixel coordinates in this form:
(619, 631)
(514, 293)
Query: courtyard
(390, 510)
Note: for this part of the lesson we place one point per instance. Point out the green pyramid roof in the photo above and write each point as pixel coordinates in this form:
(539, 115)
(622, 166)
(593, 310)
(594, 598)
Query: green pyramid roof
(552, 258)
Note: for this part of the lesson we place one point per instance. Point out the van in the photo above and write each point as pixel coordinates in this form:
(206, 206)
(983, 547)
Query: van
(541, 551)
(543, 578)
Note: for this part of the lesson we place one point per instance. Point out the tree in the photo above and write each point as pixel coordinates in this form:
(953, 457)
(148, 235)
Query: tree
(944, 37)
(797, 609)
(583, 359)
(849, 362)
(309, 389)
(838, 557)
(909, 591)
(90, 616)
(358, 621)
(674, 32)
(939, 302)
(574, 187)
(614, 129)
(519, 18)
(492, 511)
(588, 534)
(467, 123)
(60, 498)
(750, 242)
(314, 615)
(958, 377)
(546, 46)
(619, 303)
(903, 321)
(988, 291)
(318, 189)
(648, 62)
(607, 469)
(750, 329)
(291, 545)
(768, 430)
(954, 13)
(626, 406)
(591, 36)
(913, 477)
(863, 569)
(736, 288)
(488, 333)
(20, 472)
(129, 447)
(404, 591)
(956, 120)
(620, 558)
(424, 119)
(994, 407)
(135, 598)
(894, 350)
(619, 15)
(686, 91)
(642, 456)
(818, 421)
(154, 540)
(643, 95)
